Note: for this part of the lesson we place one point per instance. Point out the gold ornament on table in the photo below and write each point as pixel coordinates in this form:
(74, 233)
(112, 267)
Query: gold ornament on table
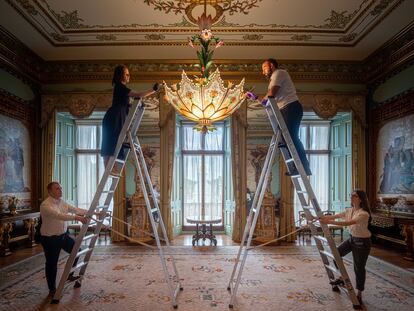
(12, 204)
(205, 99)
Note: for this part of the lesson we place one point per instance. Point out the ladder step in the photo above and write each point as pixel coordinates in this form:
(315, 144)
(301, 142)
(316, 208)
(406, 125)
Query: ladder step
(79, 266)
(289, 160)
(301, 191)
(89, 236)
(154, 210)
(108, 191)
(119, 161)
(333, 269)
(327, 254)
(320, 238)
(84, 251)
(115, 176)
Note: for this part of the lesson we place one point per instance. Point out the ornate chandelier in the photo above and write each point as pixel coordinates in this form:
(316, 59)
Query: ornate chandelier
(205, 99)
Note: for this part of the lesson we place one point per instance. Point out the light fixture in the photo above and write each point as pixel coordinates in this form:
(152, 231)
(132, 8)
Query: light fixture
(205, 99)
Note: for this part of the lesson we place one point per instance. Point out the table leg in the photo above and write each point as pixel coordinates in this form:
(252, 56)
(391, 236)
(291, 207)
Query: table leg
(410, 242)
(31, 225)
(5, 230)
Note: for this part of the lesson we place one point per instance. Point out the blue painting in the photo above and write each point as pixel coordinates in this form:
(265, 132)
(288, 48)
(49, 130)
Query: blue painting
(14, 158)
(396, 157)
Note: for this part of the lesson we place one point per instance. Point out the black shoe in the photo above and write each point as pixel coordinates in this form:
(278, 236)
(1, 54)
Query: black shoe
(292, 173)
(337, 282)
(72, 278)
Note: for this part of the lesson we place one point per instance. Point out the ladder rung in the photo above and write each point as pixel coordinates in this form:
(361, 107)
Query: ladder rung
(301, 191)
(78, 266)
(154, 210)
(320, 238)
(84, 251)
(114, 175)
(108, 191)
(327, 254)
(334, 270)
(254, 210)
(119, 161)
(289, 160)
(101, 207)
(89, 236)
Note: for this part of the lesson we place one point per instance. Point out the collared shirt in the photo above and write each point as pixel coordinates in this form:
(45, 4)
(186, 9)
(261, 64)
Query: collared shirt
(287, 91)
(55, 213)
(360, 229)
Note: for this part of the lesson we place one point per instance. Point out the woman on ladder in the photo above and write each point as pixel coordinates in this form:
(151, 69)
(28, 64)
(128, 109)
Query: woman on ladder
(115, 117)
(359, 242)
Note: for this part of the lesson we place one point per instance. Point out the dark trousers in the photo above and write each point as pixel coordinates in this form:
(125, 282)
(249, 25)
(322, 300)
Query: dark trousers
(360, 248)
(52, 246)
(292, 114)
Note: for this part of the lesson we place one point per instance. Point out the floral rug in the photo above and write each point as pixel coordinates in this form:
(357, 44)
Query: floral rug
(274, 278)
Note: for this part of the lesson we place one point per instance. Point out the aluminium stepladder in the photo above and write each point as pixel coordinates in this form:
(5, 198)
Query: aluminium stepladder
(325, 244)
(105, 194)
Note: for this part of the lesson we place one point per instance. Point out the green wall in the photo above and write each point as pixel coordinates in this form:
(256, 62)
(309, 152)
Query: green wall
(15, 86)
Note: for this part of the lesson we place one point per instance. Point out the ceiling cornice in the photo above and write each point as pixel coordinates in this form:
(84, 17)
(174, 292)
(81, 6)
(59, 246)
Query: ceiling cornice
(23, 63)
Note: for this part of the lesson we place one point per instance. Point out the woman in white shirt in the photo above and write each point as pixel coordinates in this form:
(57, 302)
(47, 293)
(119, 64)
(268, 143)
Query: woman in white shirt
(357, 219)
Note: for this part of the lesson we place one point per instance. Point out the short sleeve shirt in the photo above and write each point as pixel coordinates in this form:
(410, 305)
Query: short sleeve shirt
(360, 229)
(287, 91)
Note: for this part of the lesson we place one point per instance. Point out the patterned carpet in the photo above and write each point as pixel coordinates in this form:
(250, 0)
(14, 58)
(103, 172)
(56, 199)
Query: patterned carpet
(275, 278)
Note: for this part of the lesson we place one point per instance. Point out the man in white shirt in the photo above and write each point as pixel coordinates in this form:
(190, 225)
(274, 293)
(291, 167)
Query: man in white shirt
(54, 213)
(282, 89)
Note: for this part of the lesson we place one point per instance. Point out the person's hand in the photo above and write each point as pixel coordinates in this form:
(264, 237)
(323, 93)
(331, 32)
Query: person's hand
(251, 96)
(156, 87)
(323, 220)
(81, 219)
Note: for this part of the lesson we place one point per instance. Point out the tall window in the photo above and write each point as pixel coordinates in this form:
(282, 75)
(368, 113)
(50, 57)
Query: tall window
(90, 167)
(315, 138)
(203, 157)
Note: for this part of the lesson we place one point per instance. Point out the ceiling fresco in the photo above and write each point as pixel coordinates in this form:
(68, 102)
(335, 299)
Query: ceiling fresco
(259, 24)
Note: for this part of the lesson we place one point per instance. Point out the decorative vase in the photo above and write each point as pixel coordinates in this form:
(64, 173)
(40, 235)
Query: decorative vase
(12, 209)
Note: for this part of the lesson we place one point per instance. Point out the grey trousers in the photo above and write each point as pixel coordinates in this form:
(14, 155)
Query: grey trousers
(360, 248)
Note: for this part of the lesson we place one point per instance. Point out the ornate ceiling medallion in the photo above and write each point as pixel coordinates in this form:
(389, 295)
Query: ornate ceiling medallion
(190, 7)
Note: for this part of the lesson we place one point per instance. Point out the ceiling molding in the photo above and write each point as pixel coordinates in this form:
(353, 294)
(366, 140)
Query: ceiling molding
(335, 23)
(23, 63)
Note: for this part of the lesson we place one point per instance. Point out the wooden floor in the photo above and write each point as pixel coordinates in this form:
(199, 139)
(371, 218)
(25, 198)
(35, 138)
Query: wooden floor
(389, 255)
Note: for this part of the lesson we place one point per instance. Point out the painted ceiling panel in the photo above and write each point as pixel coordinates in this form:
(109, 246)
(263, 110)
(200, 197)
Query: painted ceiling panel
(81, 26)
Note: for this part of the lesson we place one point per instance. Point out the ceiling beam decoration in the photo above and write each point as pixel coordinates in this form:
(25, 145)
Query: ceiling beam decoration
(169, 22)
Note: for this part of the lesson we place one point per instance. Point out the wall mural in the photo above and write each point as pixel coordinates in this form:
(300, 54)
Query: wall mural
(15, 155)
(395, 157)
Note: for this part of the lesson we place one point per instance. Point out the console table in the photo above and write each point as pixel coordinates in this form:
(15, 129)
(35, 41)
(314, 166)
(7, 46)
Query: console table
(8, 229)
(206, 223)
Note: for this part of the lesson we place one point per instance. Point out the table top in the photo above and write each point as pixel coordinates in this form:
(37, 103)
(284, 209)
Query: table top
(203, 220)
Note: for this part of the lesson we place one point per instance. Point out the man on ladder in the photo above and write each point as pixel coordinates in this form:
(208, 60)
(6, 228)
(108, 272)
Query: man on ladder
(285, 113)
(102, 200)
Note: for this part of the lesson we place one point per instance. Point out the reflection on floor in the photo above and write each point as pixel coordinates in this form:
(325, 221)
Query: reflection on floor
(389, 255)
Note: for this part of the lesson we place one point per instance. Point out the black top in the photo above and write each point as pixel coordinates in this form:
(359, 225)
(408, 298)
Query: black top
(114, 119)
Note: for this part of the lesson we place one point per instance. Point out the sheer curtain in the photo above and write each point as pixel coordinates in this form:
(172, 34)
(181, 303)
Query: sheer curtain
(315, 138)
(90, 166)
(202, 173)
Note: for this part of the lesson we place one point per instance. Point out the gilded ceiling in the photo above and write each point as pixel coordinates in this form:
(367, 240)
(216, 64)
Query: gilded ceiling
(262, 24)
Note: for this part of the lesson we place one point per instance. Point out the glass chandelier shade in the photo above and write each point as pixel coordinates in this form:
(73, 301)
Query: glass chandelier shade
(205, 100)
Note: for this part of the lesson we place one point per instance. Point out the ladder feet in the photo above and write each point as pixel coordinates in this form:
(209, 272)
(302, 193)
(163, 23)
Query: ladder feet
(175, 306)
(335, 288)
(54, 301)
(181, 288)
(77, 284)
(228, 288)
(230, 306)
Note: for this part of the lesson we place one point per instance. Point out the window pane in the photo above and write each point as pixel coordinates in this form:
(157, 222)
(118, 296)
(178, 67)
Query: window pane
(192, 187)
(87, 182)
(302, 135)
(191, 139)
(213, 186)
(319, 137)
(86, 137)
(214, 140)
